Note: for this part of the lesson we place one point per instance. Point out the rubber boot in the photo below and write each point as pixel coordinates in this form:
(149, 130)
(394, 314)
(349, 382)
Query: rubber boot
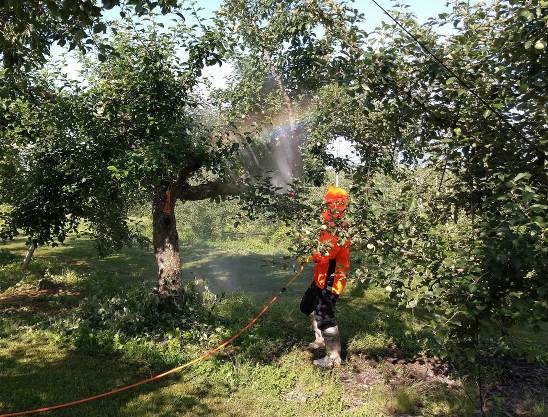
(318, 342)
(332, 347)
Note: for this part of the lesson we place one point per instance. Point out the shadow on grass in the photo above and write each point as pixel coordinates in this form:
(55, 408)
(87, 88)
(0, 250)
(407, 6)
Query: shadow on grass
(32, 377)
(370, 325)
(36, 375)
(254, 274)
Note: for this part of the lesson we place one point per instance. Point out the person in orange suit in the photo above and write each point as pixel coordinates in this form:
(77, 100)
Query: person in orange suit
(331, 264)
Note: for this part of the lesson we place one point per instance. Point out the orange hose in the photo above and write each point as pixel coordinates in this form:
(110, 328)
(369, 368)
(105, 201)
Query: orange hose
(157, 377)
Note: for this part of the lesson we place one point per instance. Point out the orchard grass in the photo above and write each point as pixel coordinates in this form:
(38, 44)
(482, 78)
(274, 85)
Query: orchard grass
(390, 355)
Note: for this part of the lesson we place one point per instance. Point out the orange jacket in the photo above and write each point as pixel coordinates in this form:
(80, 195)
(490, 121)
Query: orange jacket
(330, 270)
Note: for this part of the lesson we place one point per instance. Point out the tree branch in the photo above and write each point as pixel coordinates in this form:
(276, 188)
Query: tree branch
(210, 189)
(190, 168)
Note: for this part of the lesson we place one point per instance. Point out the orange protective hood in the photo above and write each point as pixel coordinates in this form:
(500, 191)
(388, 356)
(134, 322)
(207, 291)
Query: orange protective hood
(335, 200)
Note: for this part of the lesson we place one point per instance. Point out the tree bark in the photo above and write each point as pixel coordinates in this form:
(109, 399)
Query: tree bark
(166, 241)
(164, 227)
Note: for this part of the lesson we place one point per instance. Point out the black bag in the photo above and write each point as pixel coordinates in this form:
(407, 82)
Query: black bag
(308, 302)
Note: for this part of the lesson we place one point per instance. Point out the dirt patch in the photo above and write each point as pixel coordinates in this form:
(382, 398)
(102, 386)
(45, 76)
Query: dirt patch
(423, 369)
(518, 387)
(359, 376)
(361, 373)
(395, 371)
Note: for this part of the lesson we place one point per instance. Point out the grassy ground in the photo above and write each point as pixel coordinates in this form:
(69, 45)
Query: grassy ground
(266, 373)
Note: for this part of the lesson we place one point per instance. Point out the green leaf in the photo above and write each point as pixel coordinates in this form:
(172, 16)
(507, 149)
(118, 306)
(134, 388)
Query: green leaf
(521, 175)
(109, 4)
(526, 14)
(99, 27)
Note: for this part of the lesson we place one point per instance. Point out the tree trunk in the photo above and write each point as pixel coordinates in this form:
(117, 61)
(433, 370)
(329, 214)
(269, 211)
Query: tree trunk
(166, 242)
(28, 256)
